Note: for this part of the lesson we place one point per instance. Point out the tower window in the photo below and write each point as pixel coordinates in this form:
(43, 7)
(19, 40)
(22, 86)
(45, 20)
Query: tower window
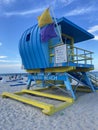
(28, 37)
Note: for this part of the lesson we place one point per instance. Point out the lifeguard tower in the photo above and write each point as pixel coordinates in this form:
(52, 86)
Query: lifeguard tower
(55, 64)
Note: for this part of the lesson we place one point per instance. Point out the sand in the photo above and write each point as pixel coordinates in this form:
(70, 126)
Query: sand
(14, 115)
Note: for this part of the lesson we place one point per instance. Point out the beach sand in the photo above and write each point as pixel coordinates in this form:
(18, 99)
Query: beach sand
(14, 115)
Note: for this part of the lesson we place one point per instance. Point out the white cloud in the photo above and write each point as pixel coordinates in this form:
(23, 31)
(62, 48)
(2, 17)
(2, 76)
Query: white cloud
(79, 11)
(57, 3)
(66, 2)
(10, 61)
(96, 37)
(93, 29)
(0, 44)
(7, 1)
(2, 57)
(40, 9)
(22, 13)
(9, 65)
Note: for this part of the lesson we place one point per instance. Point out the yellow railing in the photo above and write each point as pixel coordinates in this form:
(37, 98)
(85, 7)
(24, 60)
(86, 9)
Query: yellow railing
(74, 54)
(79, 56)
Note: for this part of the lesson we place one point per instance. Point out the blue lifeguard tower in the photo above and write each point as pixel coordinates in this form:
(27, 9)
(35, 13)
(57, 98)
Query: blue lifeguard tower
(55, 64)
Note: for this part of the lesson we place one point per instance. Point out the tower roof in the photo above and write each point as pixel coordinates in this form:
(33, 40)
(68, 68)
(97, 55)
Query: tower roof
(71, 29)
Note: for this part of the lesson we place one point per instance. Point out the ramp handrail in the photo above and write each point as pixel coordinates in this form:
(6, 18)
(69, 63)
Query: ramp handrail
(77, 80)
(94, 78)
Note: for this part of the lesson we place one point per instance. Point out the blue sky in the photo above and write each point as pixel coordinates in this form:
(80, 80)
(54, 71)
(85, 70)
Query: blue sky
(18, 15)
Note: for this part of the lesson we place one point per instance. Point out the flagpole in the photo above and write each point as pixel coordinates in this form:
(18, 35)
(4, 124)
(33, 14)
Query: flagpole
(56, 24)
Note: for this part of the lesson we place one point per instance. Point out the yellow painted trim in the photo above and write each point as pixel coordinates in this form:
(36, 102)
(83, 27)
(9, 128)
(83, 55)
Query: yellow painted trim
(84, 90)
(52, 55)
(19, 93)
(60, 69)
(52, 46)
(80, 88)
(71, 44)
(36, 103)
(50, 81)
(62, 98)
(48, 109)
(79, 69)
(47, 88)
(67, 36)
(33, 71)
(57, 108)
(42, 88)
(55, 69)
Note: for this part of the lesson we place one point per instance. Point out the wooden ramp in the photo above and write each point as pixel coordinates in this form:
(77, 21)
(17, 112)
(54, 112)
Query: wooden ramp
(48, 109)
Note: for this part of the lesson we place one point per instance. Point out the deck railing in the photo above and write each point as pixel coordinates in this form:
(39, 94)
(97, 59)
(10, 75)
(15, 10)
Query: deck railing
(79, 55)
(74, 54)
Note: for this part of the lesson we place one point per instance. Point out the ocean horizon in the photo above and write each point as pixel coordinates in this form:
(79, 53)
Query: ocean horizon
(14, 73)
(95, 73)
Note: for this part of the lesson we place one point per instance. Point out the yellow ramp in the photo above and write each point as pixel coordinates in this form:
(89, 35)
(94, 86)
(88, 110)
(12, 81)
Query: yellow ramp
(48, 109)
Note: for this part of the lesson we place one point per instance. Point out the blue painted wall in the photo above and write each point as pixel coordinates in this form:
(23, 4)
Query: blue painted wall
(34, 54)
